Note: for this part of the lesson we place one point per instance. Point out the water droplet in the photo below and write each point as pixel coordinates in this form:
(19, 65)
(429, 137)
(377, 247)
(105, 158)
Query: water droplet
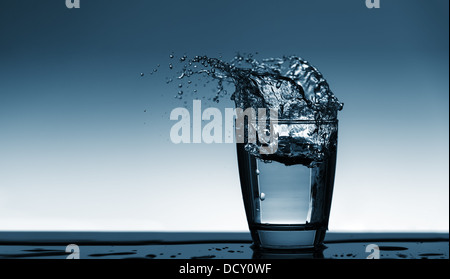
(171, 56)
(180, 92)
(180, 85)
(257, 172)
(170, 66)
(262, 196)
(145, 110)
(142, 74)
(155, 70)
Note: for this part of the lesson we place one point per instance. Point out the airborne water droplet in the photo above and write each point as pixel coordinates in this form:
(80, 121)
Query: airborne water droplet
(262, 196)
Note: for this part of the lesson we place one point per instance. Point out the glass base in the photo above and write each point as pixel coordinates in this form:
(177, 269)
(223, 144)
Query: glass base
(270, 239)
(294, 237)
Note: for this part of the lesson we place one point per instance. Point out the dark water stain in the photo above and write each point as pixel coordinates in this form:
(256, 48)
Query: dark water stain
(392, 248)
(403, 256)
(112, 254)
(204, 257)
(35, 254)
(431, 254)
(41, 250)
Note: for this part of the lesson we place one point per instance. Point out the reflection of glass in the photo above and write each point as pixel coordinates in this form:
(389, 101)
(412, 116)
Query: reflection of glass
(288, 254)
(288, 206)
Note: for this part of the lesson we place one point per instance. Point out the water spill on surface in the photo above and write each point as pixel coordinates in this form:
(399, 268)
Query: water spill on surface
(392, 248)
(396, 250)
(112, 254)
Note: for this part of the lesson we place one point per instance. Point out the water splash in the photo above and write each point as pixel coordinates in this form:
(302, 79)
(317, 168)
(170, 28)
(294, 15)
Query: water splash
(291, 85)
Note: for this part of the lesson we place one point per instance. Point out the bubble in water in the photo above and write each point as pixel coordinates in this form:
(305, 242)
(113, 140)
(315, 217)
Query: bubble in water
(262, 196)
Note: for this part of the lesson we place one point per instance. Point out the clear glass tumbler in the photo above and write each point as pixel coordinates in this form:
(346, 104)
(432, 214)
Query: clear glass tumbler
(288, 205)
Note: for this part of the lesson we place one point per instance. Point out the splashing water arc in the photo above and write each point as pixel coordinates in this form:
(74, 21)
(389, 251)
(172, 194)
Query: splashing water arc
(290, 85)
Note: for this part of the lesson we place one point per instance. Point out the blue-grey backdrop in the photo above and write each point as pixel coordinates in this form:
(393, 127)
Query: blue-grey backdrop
(84, 139)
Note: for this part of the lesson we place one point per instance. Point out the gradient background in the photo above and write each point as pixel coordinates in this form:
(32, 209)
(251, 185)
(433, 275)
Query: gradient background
(78, 152)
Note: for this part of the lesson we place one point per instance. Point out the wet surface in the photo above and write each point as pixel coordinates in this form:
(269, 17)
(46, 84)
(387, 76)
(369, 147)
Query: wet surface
(343, 246)
(392, 248)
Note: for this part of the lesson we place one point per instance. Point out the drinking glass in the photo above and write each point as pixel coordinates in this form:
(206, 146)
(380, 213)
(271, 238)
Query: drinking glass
(288, 205)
